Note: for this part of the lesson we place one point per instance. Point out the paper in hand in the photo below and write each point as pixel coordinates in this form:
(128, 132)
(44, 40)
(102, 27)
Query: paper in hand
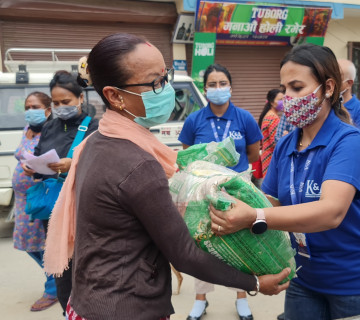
(40, 164)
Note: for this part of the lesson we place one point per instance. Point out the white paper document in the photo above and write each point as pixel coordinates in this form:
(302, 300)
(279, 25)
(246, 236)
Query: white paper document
(40, 164)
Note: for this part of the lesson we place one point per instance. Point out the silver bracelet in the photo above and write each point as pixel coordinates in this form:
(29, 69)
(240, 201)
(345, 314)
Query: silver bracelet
(254, 293)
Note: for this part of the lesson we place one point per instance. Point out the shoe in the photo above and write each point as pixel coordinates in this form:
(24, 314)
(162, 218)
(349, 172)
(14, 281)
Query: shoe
(249, 317)
(43, 303)
(281, 316)
(198, 318)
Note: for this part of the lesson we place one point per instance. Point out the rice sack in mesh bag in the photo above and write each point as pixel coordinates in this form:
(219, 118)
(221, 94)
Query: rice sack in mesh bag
(202, 183)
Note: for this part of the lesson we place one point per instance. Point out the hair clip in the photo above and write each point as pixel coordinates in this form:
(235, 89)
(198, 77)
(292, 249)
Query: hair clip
(84, 71)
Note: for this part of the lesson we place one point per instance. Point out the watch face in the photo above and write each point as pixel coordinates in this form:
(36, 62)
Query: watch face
(259, 227)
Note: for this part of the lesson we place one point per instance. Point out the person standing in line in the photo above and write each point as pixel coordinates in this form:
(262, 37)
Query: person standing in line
(350, 101)
(67, 99)
(268, 122)
(115, 216)
(29, 236)
(313, 183)
(218, 120)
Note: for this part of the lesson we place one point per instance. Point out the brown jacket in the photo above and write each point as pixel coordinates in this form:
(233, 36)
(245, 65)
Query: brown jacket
(127, 230)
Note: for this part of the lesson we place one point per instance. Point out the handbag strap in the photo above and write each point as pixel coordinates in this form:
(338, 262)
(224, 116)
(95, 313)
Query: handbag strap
(83, 127)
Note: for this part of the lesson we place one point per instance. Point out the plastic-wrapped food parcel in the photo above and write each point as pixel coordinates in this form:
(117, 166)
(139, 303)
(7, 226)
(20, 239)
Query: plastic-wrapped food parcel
(201, 182)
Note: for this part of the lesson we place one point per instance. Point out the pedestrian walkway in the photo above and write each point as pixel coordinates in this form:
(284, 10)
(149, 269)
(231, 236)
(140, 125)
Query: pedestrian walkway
(21, 283)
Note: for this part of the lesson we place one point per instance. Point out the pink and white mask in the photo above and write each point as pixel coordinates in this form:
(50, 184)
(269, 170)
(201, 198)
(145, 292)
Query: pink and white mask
(302, 111)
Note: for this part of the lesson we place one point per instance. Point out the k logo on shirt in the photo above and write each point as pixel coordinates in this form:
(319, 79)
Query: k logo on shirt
(313, 189)
(235, 135)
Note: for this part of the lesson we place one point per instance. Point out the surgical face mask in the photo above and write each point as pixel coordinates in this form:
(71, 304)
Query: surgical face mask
(280, 106)
(342, 92)
(66, 112)
(158, 106)
(218, 96)
(302, 111)
(35, 117)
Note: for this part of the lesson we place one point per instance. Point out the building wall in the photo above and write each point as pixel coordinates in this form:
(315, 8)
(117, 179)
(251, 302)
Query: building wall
(339, 33)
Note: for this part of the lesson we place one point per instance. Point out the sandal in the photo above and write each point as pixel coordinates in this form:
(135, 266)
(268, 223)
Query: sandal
(43, 303)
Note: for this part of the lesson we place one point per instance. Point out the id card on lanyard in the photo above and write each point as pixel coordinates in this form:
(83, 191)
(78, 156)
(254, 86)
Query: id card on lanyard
(300, 238)
(226, 131)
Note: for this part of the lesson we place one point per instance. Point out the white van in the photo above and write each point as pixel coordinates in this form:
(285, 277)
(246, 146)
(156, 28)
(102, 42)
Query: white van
(15, 86)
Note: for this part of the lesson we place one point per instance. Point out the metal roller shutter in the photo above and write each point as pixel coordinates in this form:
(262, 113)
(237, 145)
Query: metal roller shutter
(77, 36)
(254, 71)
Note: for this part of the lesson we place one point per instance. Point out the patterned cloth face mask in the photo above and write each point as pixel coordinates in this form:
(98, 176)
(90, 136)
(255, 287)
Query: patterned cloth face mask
(302, 111)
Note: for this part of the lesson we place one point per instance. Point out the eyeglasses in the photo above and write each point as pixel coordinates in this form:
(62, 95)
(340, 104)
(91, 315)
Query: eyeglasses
(158, 84)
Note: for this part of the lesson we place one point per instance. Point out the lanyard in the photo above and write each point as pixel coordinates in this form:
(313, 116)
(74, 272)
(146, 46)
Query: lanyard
(294, 198)
(226, 131)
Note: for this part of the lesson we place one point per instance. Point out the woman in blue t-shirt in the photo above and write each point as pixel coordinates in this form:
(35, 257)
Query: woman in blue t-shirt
(219, 120)
(313, 182)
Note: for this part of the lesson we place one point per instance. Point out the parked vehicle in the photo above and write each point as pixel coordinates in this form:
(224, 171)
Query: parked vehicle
(15, 86)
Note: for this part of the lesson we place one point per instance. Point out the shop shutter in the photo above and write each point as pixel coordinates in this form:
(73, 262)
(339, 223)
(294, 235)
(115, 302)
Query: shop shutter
(17, 34)
(254, 71)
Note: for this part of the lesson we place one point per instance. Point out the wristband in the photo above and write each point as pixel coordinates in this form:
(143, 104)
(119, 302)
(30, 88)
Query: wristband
(254, 293)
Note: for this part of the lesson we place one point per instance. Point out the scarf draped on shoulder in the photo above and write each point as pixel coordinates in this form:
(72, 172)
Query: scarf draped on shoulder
(59, 247)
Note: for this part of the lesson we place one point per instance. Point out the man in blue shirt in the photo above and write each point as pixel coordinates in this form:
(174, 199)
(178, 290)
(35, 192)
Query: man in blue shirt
(351, 103)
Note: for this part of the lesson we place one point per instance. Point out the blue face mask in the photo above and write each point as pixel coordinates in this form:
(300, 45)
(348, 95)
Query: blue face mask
(158, 107)
(218, 96)
(35, 117)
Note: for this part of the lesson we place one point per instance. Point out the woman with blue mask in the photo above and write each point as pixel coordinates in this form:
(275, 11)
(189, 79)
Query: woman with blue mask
(59, 134)
(219, 120)
(30, 236)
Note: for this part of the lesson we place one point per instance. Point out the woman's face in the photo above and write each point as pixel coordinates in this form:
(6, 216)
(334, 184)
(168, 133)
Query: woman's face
(217, 79)
(298, 80)
(63, 97)
(34, 103)
(146, 64)
(278, 97)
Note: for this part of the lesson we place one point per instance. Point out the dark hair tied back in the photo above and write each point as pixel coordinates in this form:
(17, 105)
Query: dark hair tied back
(323, 64)
(219, 68)
(106, 61)
(66, 80)
(270, 98)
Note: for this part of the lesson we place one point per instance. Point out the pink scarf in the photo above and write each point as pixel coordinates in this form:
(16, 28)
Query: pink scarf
(59, 247)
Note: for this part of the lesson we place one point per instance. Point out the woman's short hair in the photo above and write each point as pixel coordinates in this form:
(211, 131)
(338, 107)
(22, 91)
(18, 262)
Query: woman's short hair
(66, 80)
(219, 68)
(105, 61)
(323, 64)
(43, 97)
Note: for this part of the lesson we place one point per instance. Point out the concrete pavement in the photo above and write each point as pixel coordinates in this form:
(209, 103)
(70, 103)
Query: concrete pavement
(21, 283)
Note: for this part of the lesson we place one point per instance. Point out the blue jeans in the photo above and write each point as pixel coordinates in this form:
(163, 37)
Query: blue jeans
(50, 286)
(302, 303)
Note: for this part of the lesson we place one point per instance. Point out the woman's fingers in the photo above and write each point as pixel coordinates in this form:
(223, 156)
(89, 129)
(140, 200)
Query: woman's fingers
(270, 284)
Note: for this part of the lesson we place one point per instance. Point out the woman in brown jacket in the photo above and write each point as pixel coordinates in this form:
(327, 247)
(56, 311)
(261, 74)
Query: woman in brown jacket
(127, 227)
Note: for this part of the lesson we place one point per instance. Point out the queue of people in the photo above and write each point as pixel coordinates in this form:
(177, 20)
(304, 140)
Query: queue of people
(104, 246)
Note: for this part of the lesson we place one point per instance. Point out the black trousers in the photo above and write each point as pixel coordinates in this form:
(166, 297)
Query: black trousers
(64, 283)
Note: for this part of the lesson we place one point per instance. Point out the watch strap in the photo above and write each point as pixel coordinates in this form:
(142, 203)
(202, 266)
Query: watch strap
(260, 214)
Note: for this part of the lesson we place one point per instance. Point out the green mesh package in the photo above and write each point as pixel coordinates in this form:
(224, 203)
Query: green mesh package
(202, 183)
(222, 153)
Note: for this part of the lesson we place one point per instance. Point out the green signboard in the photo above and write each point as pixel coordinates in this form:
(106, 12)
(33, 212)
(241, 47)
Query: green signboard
(203, 55)
(261, 24)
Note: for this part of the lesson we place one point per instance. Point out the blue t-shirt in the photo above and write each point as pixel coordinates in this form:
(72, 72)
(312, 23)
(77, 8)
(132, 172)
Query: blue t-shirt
(243, 130)
(334, 267)
(353, 106)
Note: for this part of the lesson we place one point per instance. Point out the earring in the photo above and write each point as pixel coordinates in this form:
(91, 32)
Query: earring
(120, 107)
(327, 95)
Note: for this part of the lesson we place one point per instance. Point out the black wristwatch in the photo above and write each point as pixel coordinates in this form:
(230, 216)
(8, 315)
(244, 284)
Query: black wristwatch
(260, 225)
